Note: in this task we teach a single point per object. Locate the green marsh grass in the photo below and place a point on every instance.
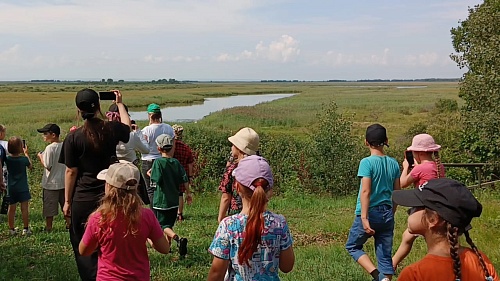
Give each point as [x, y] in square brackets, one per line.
[319, 222]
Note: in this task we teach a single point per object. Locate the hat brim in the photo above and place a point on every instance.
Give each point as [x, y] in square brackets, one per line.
[236, 142]
[407, 198]
[102, 175]
[42, 130]
[433, 148]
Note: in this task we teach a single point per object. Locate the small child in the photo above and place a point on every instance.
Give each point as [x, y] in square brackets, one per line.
[121, 226]
[256, 243]
[167, 174]
[427, 166]
[379, 175]
[442, 210]
[17, 186]
[53, 174]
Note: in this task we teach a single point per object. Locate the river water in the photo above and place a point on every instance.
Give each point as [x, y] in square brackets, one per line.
[196, 112]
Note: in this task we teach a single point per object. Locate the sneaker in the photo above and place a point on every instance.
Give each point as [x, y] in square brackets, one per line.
[183, 242]
[13, 232]
[27, 231]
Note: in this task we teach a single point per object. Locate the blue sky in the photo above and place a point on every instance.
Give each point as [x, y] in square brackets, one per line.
[228, 39]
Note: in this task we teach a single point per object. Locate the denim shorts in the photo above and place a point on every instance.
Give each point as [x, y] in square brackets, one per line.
[381, 220]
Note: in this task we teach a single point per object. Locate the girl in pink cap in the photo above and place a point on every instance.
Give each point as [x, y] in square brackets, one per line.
[256, 243]
[427, 166]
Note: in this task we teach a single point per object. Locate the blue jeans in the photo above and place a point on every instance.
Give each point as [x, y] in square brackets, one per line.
[381, 220]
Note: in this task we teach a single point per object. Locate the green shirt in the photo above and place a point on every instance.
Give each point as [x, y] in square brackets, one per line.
[168, 174]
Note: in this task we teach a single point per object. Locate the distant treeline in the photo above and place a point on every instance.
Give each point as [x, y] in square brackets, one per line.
[174, 81]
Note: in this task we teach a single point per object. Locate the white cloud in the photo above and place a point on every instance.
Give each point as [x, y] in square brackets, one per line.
[334, 58]
[11, 54]
[285, 49]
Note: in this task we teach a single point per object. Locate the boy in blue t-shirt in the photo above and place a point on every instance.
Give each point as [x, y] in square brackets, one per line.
[379, 175]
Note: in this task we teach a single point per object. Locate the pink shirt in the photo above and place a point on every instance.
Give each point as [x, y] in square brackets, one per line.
[426, 171]
[122, 257]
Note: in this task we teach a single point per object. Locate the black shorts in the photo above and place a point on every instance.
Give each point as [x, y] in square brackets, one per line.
[166, 218]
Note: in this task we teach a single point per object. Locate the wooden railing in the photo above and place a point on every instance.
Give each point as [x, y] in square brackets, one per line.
[479, 171]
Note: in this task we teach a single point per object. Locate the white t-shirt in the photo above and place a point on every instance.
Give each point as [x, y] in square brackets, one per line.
[150, 133]
[126, 151]
[53, 174]
[4, 144]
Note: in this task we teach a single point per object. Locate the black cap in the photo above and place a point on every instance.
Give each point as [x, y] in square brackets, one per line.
[449, 198]
[87, 100]
[114, 108]
[52, 128]
[376, 135]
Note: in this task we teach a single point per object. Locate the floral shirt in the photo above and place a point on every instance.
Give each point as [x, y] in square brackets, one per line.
[264, 264]
[227, 186]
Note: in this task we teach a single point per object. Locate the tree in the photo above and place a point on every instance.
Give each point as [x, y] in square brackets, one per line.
[476, 41]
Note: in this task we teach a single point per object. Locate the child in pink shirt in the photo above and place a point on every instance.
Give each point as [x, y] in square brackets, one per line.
[120, 227]
[427, 166]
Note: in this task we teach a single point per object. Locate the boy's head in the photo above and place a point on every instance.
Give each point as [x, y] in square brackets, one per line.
[164, 142]
[50, 132]
[15, 145]
[376, 135]
[178, 130]
[450, 199]
[123, 175]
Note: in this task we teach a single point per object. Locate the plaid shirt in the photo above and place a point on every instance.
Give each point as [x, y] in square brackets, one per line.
[184, 154]
[227, 186]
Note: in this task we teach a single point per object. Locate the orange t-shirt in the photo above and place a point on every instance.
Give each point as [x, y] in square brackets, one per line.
[433, 267]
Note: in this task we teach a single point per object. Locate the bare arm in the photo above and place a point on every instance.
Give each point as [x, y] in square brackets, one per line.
[406, 179]
[124, 118]
[225, 201]
[87, 250]
[69, 184]
[366, 188]
[161, 245]
[287, 260]
[218, 269]
[25, 150]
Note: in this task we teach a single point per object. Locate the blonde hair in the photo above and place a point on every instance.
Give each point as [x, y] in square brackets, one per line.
[120, 201]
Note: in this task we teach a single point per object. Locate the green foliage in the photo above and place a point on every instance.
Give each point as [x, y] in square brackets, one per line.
[334, 154]
[446, 105]
[476, 42]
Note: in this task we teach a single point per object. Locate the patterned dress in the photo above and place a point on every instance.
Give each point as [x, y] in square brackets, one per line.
[264, 264]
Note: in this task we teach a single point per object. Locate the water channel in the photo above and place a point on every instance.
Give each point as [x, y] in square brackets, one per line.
[196, 112]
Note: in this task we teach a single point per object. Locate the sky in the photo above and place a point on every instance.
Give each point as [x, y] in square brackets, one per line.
[230, 40]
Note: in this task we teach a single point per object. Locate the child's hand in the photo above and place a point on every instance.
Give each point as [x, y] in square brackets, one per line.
[67, 210]
[406, 165]
[118, 96]
[189, 198]
[25, 150]
[367, 228]
[149, 172]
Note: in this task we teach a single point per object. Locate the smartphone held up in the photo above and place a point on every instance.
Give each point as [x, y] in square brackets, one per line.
[107, 95]
[409, 158]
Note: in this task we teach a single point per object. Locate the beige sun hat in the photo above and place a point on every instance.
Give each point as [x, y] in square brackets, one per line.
[246, 140]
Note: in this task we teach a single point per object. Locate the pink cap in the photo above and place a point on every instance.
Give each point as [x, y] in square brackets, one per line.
[251, 168]
[424, 143]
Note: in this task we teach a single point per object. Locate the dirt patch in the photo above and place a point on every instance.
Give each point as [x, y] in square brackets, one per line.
[318, 239]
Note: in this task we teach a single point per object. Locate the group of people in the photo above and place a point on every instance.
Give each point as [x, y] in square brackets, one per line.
[441, 210]
[103, 195]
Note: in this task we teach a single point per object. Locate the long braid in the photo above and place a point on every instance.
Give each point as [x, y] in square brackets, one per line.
[476, 250]
[437, 160]
[453, 240]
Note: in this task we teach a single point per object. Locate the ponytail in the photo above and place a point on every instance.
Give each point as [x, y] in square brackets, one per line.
[481, 260]
[454, 245]
[255, 223]
[437, 160]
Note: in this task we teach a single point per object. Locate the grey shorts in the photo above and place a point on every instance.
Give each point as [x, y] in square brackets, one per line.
[52, 200]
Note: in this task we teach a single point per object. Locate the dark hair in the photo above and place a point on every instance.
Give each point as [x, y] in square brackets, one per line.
[166, 148]
[155, 116]
[15, 145]
[476, 250]
[255, 221]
